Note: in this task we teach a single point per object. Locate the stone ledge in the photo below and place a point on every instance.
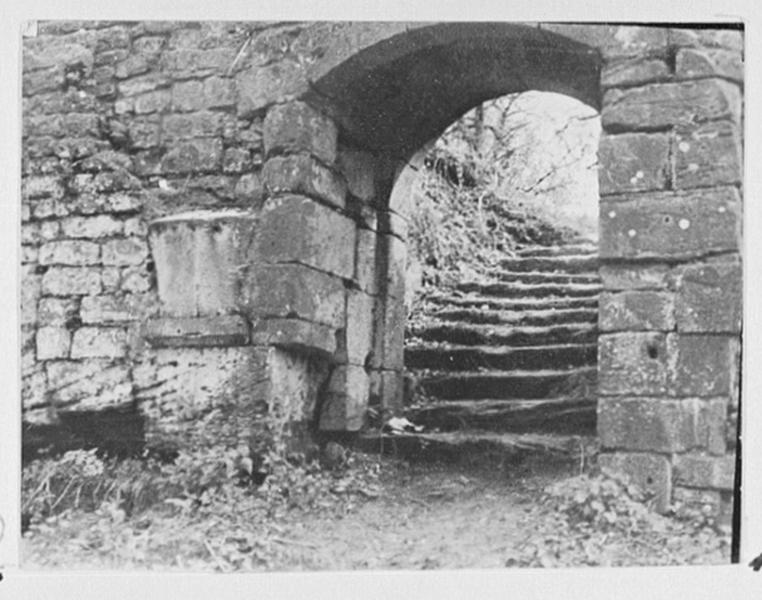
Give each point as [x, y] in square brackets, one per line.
[222, 330]
[295, 334]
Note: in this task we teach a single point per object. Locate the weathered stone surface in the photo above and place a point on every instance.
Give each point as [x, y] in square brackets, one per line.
[706, 62]
[633, 162]
[665, 105]
[358, 169]
[615, 40]
[395, 317]
[192, 156]
[260, 87]
[703, 365]
[707, 38]
[91, 227]
[31, 287]
[42, 186]
[124, 251]
[366, 261]
[296, 335]
[650, 472]
[52, 342]
[633, 71]
[394, 253]
[666, 225]
[250, 190]
[359, 329]
[219, 330]
[660, 425]
[151, 102]
[88, 384]
[179, 383]
[71, 281]
[187, 95]
[133, 280]
[99, 342]
[346, 400]
[199, 258]
[697, 471]
[144, 132]
[56, 311]
[296, 127]
[709, 298]
[295, 229]
[708, 155]
[69, 252]
[236, 160]
[111, 308]
[302, 174]
[635, 277]
[636, 311]
[632, 364]
[199, 124]
[295, 291]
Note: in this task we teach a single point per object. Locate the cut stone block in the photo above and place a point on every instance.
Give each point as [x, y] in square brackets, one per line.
[709, 298]
[295, 229]
[199, 259]
[708, 155]
[633, 364]
[346, 400]
[636, 311]
[633, 162]
[294, 334]
[297, 127]
[220, 330]
[677, 226]
[302, 174]
[698, 471]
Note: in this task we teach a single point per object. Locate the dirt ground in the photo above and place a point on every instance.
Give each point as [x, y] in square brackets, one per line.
[412, 516]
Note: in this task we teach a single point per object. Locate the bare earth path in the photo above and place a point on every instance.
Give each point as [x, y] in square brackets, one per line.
[412, 516]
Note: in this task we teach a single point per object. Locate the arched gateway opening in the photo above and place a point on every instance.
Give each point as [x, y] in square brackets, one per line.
[389, 102]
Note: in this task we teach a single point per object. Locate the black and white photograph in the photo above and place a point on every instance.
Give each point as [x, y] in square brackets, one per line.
[381, 295]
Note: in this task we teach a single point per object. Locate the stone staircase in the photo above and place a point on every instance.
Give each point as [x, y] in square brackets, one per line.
[515, 355]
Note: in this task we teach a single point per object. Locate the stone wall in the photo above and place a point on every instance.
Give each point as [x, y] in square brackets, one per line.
[304, 129]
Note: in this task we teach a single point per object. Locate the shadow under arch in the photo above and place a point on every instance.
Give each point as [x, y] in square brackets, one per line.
[398, 93]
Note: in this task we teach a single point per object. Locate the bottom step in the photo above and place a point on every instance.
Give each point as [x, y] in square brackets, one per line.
[482, 447]
[555, 415]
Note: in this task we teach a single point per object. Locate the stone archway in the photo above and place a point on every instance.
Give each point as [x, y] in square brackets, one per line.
[363, 115]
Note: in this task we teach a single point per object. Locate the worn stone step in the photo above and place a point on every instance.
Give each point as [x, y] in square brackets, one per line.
[504, 335]
[521, 290]
[527, 317]
[572, 263]
[499, 358]
[554, 415]
[485, 449]
[545, 277]
[578, 249]
[496, 303]
[509, 384]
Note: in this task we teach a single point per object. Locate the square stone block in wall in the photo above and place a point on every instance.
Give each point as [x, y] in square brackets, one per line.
[52, 342]
[71, 281]
[709, 298]
[302, 174]
[633, 162]
[636, 310]
[199, 260]
[666, 225]
[663, 105]
[97, 342]
[295, 291]
[650, 472]
[295, 229]
[632, 364]
[394, 255]
[297, 127]
[703, 365]
[699, 471]
[662, 425]
[707, 155]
